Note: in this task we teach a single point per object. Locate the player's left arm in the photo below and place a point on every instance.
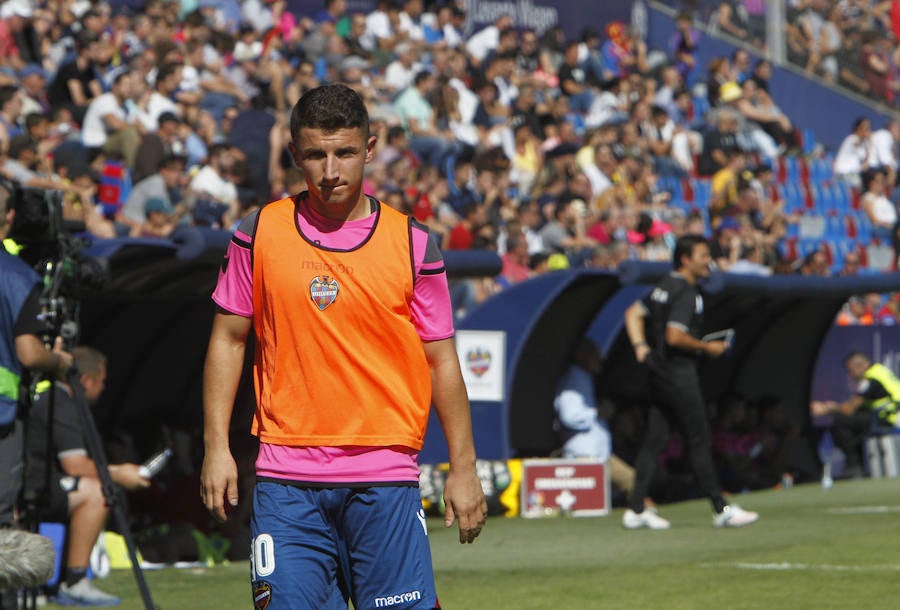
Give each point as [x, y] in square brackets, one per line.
[463, 494]
[432, 315]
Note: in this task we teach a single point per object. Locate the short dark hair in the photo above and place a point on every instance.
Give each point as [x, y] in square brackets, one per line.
[329, 108]
[685, 247]
[88, 360]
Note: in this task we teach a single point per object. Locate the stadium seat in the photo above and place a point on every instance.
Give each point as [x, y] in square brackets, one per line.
[834, 226]
[807, 141]
[812, 226]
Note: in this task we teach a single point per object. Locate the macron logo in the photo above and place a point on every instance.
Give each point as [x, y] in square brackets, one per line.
[393, 600]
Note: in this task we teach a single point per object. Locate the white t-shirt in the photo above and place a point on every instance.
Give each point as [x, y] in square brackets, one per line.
[483, 42]
[398, 77]
[882, 153]
[851, 154]
[157, 105]
[883, 210]
[414, 30]
[209, 181]
[378, 25]
[93, 129]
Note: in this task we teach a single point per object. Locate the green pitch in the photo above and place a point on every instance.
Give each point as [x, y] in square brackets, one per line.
[811, 549]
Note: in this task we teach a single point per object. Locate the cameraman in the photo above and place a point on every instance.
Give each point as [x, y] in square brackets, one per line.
[21, 349]
[75, 494]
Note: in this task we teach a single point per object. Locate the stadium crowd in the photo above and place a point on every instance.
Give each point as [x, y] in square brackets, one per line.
[849, 43]
[159, 118]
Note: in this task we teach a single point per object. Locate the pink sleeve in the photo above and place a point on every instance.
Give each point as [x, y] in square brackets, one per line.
[234, 289]
[431, 310]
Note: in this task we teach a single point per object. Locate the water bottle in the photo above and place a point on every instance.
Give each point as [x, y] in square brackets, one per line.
[826, 453]
[155, 464]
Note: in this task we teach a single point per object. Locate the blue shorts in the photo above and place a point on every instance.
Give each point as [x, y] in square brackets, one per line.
[313, 549]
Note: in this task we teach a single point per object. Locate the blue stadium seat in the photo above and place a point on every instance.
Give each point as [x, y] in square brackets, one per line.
[834, 227]
[792, 169]
[702, 191]
[809, 140]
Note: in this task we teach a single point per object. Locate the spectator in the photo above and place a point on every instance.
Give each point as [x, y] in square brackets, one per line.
[75, 83]
[33, 91]
[725, 188]
[815, 264]
[727, 19]
[156, 145]
[401, 72]
[482, 42]
[164, 185]
[751, 261]
[109, 126]
[617, 55]
[823, 40]
[881, 212]
[21, 44]
[853, 156]
[515, 260]
[162, 98]
[431, 144]
[718, 143]
[10, 109]
[75, 495]
[883, 152]
[683, 45]
[850, 266]
[213, 185]
[758, 107]
[573, 81]
[875, 63]
[565, 233]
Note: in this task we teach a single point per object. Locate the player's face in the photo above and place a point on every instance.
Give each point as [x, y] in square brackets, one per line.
[333, 164]
[700, 260]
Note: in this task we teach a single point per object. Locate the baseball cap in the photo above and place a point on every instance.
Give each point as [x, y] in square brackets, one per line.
[16, 8]
[32, 69]
[155, 204]
[729, 223]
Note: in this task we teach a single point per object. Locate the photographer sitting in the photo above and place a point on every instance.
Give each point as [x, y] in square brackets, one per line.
[75, 493]
[21, 350]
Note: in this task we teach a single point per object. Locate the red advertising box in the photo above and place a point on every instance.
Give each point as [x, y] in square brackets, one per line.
[579, 487]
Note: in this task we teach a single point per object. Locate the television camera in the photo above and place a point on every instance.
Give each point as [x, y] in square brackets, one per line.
[54, 247]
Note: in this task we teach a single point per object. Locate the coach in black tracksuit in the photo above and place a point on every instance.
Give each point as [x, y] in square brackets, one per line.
[665, 329]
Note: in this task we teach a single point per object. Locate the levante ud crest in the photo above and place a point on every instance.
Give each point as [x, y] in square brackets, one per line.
[323, 290]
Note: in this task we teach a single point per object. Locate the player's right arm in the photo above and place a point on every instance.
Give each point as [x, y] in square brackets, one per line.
[221, 375]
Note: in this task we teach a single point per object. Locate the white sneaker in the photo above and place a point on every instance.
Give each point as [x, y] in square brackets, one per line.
[649, 519]
[83, 593]
[734, 516]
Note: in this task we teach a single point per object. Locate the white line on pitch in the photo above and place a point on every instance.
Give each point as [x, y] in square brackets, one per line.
[863, 510]
[785, 566]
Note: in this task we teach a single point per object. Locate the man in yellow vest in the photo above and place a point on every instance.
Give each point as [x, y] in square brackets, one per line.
[876, 399]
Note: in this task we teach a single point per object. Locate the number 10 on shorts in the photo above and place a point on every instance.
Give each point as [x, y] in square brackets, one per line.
[262, 560]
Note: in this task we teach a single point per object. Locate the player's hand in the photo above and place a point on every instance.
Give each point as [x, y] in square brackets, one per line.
[219, 483]
[716, 348]
[128, 476]
[465, 501]
[641, 352]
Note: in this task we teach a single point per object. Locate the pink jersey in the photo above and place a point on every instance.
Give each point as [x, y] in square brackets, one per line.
[432, 316]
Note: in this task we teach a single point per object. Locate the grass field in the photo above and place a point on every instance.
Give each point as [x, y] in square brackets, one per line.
[811, 549]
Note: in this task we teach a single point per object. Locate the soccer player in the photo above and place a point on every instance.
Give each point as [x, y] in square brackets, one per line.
[349, 302]
[665, 330]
